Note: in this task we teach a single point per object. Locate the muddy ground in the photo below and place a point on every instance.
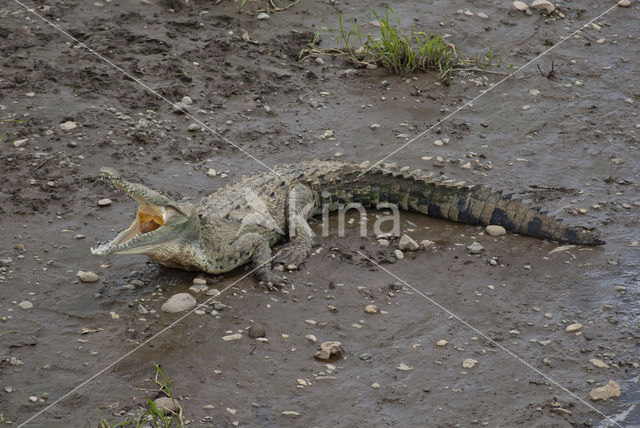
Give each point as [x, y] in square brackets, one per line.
[573, 150]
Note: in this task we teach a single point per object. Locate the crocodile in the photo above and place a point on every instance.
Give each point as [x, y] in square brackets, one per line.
[240, 223]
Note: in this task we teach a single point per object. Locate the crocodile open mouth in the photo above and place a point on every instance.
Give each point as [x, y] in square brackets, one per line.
[148, 219]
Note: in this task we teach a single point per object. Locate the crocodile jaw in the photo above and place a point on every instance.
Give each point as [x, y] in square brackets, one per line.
[160, 227]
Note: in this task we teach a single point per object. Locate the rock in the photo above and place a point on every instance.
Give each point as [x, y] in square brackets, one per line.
[374, 126]
[425, 243]
[404, 367]
[232, 337]
[469, 363]
[20, 143]
[213, 292]
[375, 385]
[482, 15]
[166, 405]
[384, 242]
[33, 399]
[88, 276]
[406, 243]
[263, 16]
[289, 412]
[328, 350]
[186, 100]
[365, 356]
[573, 327]
[495, 230]
[371, 309]
[398, 254]
[442, 342]
[534, 92]
[311, 338]
[25, 304]
[193, 127]
[562, 248]
[104, 202]
[610, 390]
[599, 363]
[198, 288]
[257, 330]
[543, 5]
[179, 302]
[212, 172]
[624, 3]
[180, 108]
[475, 248]
[68, 125]
[521, 6]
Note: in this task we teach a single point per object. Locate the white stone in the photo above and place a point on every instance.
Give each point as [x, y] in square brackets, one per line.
[25, 304]
[425, 243]
[573, 327]
[20, 143]
[482, 15]
[521, 6]
[87, 276]
[262, 16]
[469, 363]
[186, 100]
[328, 349]
[166, 405]
[599, 363]
[193, 127]
[179, 302]
[493, 230]
[404, 367]
[398, 254]
[475, 248]
[104, 202]
[231, 337]
[407, 243]
[371, 309]
[374, 126]
[442, 342]
[610, 390]
[68, 125]
[543, 5]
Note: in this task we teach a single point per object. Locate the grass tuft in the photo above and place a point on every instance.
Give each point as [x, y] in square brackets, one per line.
[154, 416]
[397, 52]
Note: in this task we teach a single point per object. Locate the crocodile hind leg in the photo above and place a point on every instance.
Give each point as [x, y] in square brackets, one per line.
[300, 204]
[254, 247]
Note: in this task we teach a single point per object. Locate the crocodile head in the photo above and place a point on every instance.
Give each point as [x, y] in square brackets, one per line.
[162, 226]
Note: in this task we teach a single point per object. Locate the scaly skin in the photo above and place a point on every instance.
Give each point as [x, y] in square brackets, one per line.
[240, 223]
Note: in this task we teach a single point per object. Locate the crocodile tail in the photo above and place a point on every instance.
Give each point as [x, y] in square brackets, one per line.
[455, 201]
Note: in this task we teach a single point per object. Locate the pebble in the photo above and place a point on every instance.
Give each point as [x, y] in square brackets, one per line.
[404, 367]
[257, 330]
[186, 100]
[231, 337]
[624, 3]
[407, 243]
[534, 92]
[104, 202]
[375, 385]
[20, 143]
[384, 242]
[30, 94]
[198, 288]
[68, 125]
[398, 254]
[475, 248]
[263, 16]
[290, 413]
[311, 338]
[213, 292]
[166, 405]
[482, 15]
[88, 276]
[180, 108]
[573, 327]
[374, 126]
[442, 342]
[33, 399]
[365, 356]
[179, 302]
[543, 5]
[521, 6]
[610, 390]
[599, 363]
[25, 304]
[371, 309]
[469, 363]
[495, 230]
[328, 350]
[193, 127]
[427, 244]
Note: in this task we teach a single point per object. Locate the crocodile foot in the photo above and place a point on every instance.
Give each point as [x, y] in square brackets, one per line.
[292, 255]
[271, 281]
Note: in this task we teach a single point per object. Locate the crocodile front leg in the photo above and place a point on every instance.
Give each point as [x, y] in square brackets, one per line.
[254, 247]
[300, 204]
